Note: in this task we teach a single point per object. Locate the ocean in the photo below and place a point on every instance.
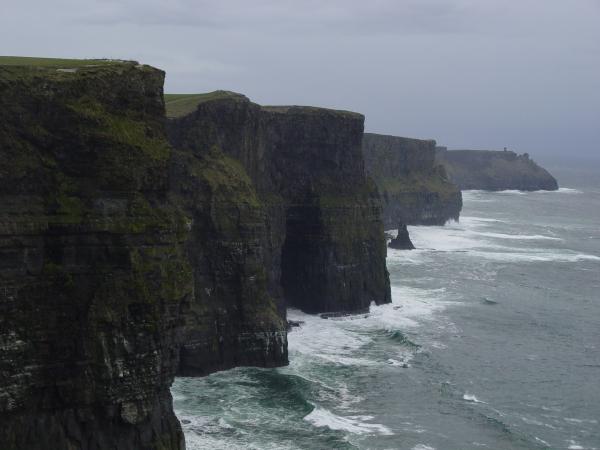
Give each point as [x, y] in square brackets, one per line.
[492, 342]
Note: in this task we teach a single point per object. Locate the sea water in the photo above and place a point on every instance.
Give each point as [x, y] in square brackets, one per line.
[492, 341]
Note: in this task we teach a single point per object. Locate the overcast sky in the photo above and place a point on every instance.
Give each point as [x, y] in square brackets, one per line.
[469, 73]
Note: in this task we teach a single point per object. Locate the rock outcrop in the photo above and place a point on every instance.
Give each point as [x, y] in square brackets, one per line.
[324, 234]
[495, 170]
[402, 240]
[93, 274]
[414, 188]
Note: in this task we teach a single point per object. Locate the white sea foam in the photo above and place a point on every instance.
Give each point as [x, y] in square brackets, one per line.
[567, 191]
[337, 340]
[471, 398]
[535, 256]
[321, 417]
[472, 237]
[526, 237]
[423, 447]
[541, 441]
[573, 420]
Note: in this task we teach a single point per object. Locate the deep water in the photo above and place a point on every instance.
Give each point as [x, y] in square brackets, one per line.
[492, 341]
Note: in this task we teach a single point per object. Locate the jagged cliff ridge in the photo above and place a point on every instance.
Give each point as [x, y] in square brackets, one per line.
[326, 248]
[414, 188]
[93, 275]
[494, 170]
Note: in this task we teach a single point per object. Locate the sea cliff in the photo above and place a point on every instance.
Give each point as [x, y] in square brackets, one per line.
[136, 247]
[93, 275]
[413, 186]
[326, 248]
[494, 170]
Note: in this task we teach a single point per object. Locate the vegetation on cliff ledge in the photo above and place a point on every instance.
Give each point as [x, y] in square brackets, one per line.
[179, 105]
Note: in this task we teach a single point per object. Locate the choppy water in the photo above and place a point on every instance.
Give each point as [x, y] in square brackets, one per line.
[492, 341]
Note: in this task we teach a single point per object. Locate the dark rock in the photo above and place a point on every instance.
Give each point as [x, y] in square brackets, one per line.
[294, 324]
[93, 294]
[234, 321]
[324, 242]
[414, 188]
[402, 241]
[495, 170]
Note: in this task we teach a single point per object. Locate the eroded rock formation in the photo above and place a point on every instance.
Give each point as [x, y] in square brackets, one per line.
[414, 188]
[402, 240]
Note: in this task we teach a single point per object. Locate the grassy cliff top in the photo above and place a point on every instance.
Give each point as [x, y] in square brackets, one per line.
[179, 105]
[295, 109]
[58, 63]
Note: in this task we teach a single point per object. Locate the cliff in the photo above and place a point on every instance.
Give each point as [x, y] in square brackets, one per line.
[495, 170]
[234, 320]
[414, 188]
[117, 254]
[93, 276]
[324, 234]
[135, 248]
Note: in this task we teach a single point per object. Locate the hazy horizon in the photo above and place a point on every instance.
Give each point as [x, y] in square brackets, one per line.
[467, 73]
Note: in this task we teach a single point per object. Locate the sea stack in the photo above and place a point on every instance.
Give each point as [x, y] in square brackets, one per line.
[402, 240]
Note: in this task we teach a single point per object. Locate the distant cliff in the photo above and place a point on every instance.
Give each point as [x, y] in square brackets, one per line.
[495, 170]
[326, 248]
[414, 188]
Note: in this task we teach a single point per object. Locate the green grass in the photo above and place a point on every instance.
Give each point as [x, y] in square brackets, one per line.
[58, 63]
[286, 109]
[179, 105]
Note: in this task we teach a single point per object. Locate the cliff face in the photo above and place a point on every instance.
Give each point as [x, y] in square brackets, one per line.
[325, 249]
[125, 260]
[118, 254]
[495, 170]
[93, 274]
[234, 320]
[414, 188]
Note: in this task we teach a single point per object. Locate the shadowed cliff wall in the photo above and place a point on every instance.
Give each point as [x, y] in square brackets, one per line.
[324, 231]
[414, 188]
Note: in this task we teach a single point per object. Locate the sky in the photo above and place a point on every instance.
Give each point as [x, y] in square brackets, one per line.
[484, 74]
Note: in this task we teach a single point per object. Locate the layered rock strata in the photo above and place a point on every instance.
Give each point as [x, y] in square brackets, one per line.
[495, 170]
[414, 188]
[116, 255]
[93, 274]
[324, 229]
